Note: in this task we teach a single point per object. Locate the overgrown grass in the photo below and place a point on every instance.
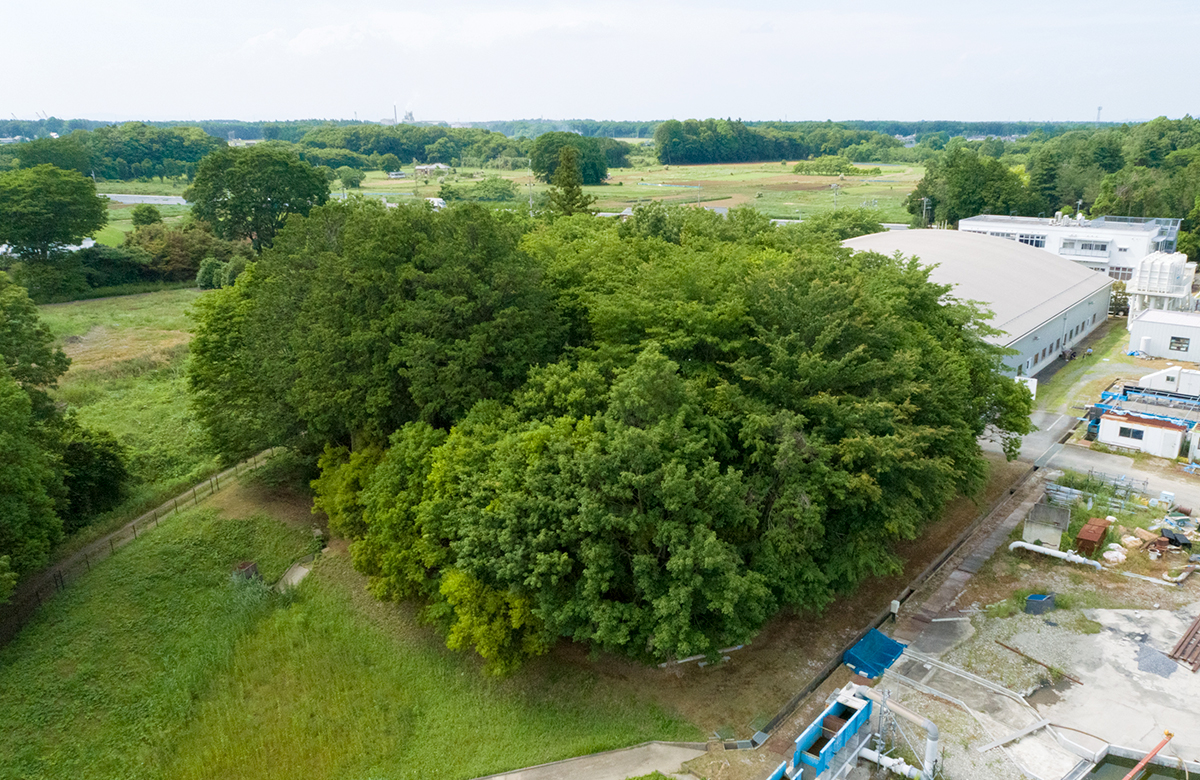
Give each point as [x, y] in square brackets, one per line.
[104, 681]
[127, 377]
[116, 290]
[156, 665]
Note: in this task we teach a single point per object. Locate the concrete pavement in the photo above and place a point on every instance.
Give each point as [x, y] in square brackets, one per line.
[664, 757]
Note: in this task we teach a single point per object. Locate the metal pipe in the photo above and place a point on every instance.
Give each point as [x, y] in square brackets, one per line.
[1133, 772]
[931, 729]
[896, 765]
[1071, 555]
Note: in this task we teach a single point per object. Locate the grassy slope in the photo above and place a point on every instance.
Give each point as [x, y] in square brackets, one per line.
[127, 377]
[120, 221]
[104, 680]
[155, 666]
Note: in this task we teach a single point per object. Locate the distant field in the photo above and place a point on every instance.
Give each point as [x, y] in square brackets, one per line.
[126, 377]
[157, 665]
[120, 221]
[769, 187]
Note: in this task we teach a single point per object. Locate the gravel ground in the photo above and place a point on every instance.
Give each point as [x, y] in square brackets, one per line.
[1050, 639]
[960, 731]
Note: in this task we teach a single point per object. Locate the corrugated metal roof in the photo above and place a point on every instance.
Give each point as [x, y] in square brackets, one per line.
[1024, 287]
[1146, 422]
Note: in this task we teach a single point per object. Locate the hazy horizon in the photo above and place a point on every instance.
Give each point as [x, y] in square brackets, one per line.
[465, 60]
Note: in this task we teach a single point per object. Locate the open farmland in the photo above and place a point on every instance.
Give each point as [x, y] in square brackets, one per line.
[769, 187]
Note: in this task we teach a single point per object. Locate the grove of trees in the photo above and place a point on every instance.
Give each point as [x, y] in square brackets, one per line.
[646, 436]
[1144, 170]
[55, 474]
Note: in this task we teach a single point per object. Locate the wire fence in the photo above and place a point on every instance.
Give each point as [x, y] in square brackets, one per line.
[41, 587]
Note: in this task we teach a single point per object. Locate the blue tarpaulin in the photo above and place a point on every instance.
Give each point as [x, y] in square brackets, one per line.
[873, 654]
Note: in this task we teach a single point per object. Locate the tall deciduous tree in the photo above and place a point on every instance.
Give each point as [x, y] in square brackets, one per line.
[248, 192]
[546, 154]
[44, 209]
[566, 197]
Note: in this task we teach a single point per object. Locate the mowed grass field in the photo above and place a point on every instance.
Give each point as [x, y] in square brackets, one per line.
[120, 222]
[771, 188]
[158, 664]
[127, 377]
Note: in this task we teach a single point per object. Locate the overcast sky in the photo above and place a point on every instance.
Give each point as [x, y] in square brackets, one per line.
[467, 60]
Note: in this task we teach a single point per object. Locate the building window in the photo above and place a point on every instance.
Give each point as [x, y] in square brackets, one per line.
[1121, 274]
[1170, 378]
[1122, 249]
[1031, 240]
[1009, 236]
[1093, 319]
[1179, 344]
[1130, 433]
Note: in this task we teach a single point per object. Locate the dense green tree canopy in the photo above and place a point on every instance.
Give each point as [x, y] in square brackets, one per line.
[249, 192]
[545, 157]
[742, 417]
[44, 208]
[566, 197]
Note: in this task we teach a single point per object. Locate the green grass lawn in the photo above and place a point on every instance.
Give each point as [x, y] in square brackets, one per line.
[156, 665]
[120, 222]
[1083, 378]
[127, 377]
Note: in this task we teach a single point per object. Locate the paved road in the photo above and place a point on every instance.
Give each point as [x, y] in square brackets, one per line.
[157, 200]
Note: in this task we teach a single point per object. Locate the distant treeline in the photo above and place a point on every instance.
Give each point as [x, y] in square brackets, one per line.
[218, 128]
[592, 128]
[965, 129]
[130, 151]
[726, 140]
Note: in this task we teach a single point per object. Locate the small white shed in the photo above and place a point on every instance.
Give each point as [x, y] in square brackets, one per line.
[1148, 434]
[1173, 379]
[1174, 335]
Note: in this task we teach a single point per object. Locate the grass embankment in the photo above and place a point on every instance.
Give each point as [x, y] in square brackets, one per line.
[156, 665]
[126, 377]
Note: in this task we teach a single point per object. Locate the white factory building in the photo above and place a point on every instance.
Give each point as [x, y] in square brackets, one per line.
[1042, 304]
[1111, 245]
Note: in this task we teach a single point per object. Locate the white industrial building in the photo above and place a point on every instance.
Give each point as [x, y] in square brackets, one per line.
[1173, 379]
[1111, 245]
[1162, 281]
[1145, 434]
[1043, 304]
[1166, 334]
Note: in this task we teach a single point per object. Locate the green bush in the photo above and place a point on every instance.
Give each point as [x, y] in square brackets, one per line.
[211, 274]
[233, 270]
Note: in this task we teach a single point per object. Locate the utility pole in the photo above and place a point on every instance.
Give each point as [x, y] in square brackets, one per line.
[1098, 110]
[925, 211]
[835, 188]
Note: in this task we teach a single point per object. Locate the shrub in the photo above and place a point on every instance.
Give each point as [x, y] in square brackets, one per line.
[233, 269]
[211, 274]
[144, 214]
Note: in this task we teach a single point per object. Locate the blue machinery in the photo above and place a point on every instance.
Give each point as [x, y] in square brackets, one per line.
[833, 743]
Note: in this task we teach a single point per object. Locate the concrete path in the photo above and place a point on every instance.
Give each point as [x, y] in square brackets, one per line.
[992, 533]
[157, 200]
[612, 765]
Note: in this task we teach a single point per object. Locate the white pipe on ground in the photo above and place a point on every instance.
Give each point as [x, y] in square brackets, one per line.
[931, 729]
[896, 765]
[1066, 556]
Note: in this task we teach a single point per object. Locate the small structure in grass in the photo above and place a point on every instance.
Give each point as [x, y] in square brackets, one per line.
[247, 570]
[1046, 524]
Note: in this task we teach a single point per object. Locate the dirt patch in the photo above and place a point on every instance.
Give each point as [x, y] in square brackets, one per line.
[248, 497]
[797, 186]
[102, 346]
